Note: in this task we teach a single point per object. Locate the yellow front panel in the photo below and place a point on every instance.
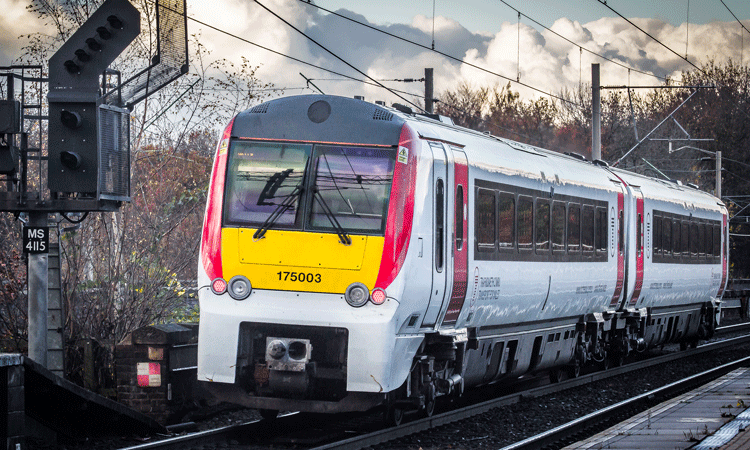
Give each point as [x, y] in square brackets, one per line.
[300, 261]
[301, 249]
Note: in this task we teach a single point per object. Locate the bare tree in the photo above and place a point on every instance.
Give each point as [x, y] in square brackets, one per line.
[134, 267]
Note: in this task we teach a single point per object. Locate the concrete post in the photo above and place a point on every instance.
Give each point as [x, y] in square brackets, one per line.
[428, 91]
[37, 267]
[596, 114]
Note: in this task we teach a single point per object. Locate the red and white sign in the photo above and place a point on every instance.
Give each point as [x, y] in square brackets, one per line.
[149, 374]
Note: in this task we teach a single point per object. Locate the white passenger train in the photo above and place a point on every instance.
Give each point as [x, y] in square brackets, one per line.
[355, 255]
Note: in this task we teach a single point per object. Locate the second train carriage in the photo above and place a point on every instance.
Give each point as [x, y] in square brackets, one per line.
[355, 255]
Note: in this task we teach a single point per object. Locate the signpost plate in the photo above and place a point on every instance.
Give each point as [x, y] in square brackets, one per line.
[35, 240]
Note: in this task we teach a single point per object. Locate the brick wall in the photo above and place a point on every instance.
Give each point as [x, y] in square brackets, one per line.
[144, 379]
[12, 404]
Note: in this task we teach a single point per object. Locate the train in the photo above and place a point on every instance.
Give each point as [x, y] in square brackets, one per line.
[355, 255]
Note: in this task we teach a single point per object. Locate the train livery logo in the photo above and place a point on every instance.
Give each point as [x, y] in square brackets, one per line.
[473, 303]
[223, 146]
[648, 235]
[403, 155]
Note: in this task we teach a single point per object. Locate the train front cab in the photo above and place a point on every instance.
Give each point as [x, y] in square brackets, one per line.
[302, 247]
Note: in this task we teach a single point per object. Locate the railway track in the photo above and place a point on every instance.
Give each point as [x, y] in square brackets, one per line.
[306, 431]
[592, 423]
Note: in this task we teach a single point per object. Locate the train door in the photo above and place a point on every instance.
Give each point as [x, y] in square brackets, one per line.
[617, 240]
[440, 260]
[724, 255]
[639, 244]
[459, 246]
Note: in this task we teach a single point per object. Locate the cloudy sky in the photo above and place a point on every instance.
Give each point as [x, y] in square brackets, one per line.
[485, 33]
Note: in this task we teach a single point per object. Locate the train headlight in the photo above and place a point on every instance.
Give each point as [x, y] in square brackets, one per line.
[378, 296]
[219, 286]
[239, 287]
[276, 349]
[357, 294]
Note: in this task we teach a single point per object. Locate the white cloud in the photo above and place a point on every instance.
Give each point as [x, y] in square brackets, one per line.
[14, 22]
[546, 61]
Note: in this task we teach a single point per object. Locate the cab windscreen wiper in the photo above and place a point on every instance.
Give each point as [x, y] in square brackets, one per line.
[268, 192]
[343, 236]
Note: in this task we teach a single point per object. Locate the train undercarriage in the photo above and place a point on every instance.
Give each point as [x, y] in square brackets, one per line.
[449, 362]
[276, 369]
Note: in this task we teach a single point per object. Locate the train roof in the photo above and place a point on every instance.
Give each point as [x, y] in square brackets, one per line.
[322, 118]
[327, 118]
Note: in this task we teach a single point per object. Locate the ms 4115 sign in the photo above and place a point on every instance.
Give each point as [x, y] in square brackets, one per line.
[36, 240]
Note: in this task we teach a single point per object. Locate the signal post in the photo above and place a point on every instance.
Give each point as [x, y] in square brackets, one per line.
[88, 157]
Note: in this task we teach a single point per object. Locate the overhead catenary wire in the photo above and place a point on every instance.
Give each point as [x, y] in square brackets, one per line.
[604, 2]
[733, 15]
[336, 56]
[368, 83]
[535, 89]
[742, 37]
[687, 29]
[582, 48]
[247, 41]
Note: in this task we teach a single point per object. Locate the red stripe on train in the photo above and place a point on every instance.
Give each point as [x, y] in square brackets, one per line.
[400, 210]
[211, 239]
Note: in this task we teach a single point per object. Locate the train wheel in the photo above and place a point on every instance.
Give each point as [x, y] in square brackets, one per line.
[618, 359]
[393, 416]
[269, 414]
[429, 408]
[694, 343]
[455, 396]
[556, 375]
[604, 364]
[574, 371]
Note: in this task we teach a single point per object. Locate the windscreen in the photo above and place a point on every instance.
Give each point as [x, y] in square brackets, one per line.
[352, 187]
[265, 179]
[327, 188]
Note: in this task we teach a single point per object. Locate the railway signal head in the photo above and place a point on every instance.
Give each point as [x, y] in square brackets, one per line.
[10, 123]
[75, 125]
[75, 68]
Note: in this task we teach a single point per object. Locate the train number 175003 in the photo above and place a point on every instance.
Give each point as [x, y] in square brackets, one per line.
[301, 277]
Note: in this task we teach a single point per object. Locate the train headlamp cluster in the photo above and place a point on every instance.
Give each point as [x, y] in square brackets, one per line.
[239, 287]
[357, 295]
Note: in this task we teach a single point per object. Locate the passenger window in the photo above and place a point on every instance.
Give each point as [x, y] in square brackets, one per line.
[676, 236]
[587, 229]
[717, 240]
[485, 220]
[601, 231]
[694, 241]
[558, 227]
[506, 214]
[621, 233]
[525, 223]
[706, 233]
[542, 226]
[639, 234]
[439, 227]
[667, 232]
[574, 228]
[685, 244]
[459, 217]
[657, 235]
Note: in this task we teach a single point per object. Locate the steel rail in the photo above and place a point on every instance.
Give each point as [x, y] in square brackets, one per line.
[603, 416]
[416, 426]
[210, 436]
[389, 434]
